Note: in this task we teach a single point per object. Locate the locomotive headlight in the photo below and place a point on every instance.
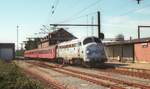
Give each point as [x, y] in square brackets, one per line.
[88, 51]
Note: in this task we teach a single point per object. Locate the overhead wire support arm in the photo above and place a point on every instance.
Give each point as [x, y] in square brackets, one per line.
[73, 24]
[141, 26]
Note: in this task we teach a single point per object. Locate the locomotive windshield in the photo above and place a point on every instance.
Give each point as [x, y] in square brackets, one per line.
[91, 39]
[97, 40]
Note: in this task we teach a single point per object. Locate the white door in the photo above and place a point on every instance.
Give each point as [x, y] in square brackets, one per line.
[6, 53]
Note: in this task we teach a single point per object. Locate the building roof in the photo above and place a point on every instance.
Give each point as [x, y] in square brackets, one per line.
[57, 32]
[126, 42]
[62, 30]
[7, 45]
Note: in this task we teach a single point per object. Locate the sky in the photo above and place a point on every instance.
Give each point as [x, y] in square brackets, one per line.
[117, 17]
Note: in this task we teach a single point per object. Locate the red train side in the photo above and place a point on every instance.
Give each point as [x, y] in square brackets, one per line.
[46, 53]
[31, 53]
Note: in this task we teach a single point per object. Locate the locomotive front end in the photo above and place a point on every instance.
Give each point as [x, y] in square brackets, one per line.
[94, 51]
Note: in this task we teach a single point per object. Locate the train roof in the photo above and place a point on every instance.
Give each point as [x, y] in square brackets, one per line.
[69, 42]
[38, 49]
[74, 41]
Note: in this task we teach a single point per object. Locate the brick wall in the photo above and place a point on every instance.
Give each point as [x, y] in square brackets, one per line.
[142, 52]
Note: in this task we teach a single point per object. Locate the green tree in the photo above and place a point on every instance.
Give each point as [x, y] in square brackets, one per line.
[32, 44]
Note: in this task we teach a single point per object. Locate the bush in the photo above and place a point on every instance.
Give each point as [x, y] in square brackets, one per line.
[12, 78]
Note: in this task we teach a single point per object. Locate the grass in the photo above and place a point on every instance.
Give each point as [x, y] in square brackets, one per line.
[12, 78]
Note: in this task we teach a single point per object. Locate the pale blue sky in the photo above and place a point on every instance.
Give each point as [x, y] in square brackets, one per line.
[117, 16]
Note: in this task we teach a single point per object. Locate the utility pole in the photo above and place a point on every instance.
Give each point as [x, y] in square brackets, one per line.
[99, 23]
[17, 37]
[92, 26]
[21, 46]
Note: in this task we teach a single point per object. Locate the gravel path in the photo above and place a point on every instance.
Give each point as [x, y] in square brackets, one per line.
[77, 83]
[71, 81]
[131, 65]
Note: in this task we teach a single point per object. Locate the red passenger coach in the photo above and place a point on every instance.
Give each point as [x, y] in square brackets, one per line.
[45, 53]
[31, 53]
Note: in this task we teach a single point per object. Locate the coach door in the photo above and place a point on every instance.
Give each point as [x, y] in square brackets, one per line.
[79, 50]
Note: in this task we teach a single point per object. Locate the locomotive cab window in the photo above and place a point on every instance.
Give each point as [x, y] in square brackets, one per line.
[97, 40]
[87, 40]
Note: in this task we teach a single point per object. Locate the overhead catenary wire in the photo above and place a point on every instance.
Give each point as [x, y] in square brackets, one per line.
[79, 17]
[75, 4]
[87, 23]
[73, 17]
[82, 10]
[89, 6]
[54, 6]
[131, 11]
[134, 10]
[44, 30]
[50, 8]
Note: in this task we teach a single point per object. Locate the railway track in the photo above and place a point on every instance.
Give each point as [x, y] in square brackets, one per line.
[94, 78]
[140, 73]
[35, 73]
[81, 76]
[111, 79]
[133, 72]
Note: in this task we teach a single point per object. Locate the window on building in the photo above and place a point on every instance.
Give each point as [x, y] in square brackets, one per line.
[144, 45]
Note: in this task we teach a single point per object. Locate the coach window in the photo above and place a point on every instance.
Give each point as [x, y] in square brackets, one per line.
[70, 45]
[79, 43]
[73, 45]
[88, 40]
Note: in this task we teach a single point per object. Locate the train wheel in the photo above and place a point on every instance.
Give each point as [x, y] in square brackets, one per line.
[60, 60]
[79, 61]
[85, 64]
[71, 62]
[92, 64]
[88, 64]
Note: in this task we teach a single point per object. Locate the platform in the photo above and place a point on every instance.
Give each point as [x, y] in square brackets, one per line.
[131, 65]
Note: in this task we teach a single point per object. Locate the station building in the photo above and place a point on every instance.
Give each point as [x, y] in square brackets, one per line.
[7, 51]
[55, 37]
[137, 50]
